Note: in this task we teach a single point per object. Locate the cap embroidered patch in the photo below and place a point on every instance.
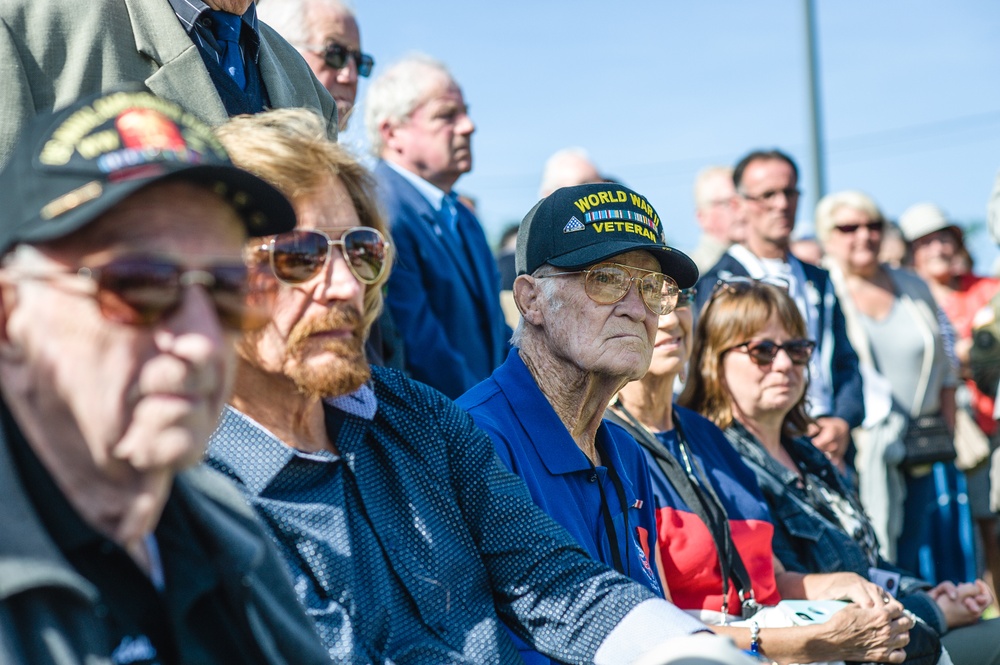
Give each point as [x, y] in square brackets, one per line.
[572, 225]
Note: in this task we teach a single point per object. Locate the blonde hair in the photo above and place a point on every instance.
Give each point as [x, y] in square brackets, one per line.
[289, 149]
[852, 199]
[732, 316]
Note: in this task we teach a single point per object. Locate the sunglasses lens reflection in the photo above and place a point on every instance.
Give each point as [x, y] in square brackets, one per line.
[298, 256]
[364, 250]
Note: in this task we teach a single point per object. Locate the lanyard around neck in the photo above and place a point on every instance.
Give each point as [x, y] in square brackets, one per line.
[697, 492]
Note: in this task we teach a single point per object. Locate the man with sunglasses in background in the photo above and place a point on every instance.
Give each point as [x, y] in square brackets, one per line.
[594, 276]
[407, 540]
[444, 293]
[767, 195]
[326, 34]
[122, 289]
[214, 58]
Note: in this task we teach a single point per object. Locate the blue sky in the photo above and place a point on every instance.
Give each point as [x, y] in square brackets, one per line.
[655, 90]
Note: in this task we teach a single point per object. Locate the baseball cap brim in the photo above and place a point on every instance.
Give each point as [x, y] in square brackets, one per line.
[261, 207]
[673, 263]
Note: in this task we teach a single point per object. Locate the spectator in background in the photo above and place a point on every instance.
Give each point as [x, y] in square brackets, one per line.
[805, 246]
[896, 328]
[937, 247]
[718, 215]
[895, 253]
[326, 33]
[124, 290]
[508, 272]
[215, 59]
[566, 168]
[444, 292]
[768, 197]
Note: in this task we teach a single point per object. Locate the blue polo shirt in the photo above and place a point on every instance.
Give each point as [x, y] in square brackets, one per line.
[533, 442]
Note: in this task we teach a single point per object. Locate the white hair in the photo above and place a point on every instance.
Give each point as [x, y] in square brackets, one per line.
[566, 168]
[291, 17]
[397, 91]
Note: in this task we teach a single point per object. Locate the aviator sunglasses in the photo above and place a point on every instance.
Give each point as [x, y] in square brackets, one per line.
[765, 351]
[144, 292]
[607, 283]
[298, 256]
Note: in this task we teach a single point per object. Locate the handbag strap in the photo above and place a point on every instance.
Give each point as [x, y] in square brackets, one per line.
[697, 492]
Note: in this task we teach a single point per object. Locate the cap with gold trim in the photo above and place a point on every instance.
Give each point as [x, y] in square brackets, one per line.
[71, 166]
[575, 227]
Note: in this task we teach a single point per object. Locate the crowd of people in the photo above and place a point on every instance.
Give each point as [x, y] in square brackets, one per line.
[263, 404]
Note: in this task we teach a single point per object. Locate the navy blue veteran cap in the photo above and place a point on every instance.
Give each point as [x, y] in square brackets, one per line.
[71, 166]
[575, 227]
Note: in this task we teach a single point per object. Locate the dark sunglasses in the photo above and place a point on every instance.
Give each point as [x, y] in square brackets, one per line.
[336, 56]
[685, 297]
[765, 351]
[298, 256]
[873, 227]
[144, 292]
[608, 283]
[738, 285]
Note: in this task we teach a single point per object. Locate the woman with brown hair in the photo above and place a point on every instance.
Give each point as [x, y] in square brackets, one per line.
[749, 376]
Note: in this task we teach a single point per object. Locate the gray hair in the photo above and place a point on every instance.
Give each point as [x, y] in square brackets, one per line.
[397, 91]
[548, 287]
[701, 197]
[291, 17]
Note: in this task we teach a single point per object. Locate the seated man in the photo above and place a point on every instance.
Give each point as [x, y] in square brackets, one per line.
[584, 333]
[122, 289]
[407, 539]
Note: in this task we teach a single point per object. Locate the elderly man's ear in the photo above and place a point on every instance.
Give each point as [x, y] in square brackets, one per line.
[527, 298]
[8, 299]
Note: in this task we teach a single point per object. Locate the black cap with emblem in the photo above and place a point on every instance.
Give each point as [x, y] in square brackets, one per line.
[575, 227]
[71, 166]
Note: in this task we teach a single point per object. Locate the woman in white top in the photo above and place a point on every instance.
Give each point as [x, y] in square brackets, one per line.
[909, 376]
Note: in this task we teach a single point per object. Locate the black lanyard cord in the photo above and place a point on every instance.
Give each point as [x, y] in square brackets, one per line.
[693, 486]
[609, 523]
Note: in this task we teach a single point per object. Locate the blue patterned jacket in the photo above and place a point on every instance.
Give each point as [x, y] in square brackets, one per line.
[461, 533]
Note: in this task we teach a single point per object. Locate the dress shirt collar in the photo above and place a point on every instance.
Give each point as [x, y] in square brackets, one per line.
[189, 11]
[258, 457]
[433, 194]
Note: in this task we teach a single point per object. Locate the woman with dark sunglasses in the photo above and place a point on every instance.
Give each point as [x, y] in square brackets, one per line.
[899, 334]
[714, 527]
[819, 525]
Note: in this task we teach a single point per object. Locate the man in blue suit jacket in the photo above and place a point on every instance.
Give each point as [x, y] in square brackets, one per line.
[444, 289]
[767, 192]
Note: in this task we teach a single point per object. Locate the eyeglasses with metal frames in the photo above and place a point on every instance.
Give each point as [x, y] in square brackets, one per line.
[608, 283]
[771, 195]
[300, 255]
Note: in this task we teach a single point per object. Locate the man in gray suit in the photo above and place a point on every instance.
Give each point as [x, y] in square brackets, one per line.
[54, 52]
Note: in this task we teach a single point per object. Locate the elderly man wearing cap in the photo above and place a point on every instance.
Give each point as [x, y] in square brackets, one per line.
[408, 540]
[122, 290]
[594, 275]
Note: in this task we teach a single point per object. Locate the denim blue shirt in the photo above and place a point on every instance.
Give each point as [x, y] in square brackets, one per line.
[805, 541]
